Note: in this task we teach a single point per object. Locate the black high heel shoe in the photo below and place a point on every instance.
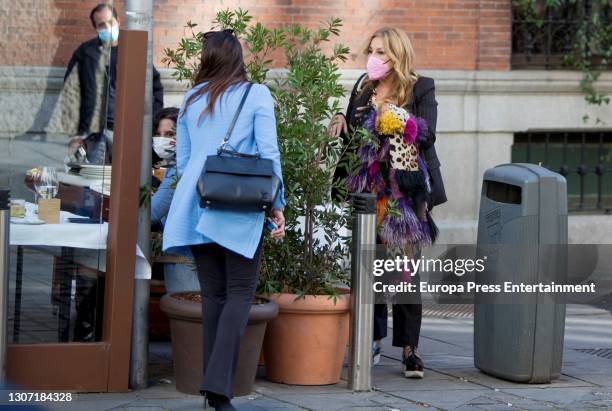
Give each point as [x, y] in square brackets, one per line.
[218, 402]
[207, 400]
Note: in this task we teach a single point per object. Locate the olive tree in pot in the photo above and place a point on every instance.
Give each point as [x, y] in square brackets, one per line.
[306, 274]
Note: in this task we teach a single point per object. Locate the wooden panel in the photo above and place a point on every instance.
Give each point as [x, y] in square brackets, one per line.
[77, 367]
[123, 213]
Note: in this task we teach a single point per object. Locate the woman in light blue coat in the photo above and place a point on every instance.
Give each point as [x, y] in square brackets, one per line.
[226, 245]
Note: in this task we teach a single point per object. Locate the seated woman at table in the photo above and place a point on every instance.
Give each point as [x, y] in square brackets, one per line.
[164, 157]
[177, 277]
[164, 139]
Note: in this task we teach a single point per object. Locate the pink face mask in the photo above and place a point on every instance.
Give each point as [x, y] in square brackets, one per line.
[376, 68]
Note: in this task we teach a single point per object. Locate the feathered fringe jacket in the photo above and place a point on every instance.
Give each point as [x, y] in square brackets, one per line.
[392, 168]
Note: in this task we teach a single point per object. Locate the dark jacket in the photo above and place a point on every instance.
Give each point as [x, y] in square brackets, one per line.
[91, 65]
[424, 105]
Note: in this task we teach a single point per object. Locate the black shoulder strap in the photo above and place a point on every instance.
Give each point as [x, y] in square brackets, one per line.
[238, 110]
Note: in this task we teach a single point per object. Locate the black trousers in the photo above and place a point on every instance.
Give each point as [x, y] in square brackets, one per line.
[228, 282]
[85, 302]
[406, 321]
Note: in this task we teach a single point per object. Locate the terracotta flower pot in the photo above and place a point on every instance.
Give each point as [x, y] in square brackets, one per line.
[185, 314]
[305, 344]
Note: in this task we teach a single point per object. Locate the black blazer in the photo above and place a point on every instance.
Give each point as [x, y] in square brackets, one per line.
[87, 56]
[423, 104]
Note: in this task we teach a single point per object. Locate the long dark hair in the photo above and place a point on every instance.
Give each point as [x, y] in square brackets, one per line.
[221, 66]
[168, 113]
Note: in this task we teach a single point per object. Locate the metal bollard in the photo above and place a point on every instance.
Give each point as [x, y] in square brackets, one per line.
[362, 294]
[5, 213]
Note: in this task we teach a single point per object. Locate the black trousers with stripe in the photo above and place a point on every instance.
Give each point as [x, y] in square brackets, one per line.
[228, 283]
[406, 322]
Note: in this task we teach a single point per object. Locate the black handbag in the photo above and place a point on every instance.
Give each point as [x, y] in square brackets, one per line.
[237, 181]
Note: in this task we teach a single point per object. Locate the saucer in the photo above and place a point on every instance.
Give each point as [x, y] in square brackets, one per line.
[27, 221]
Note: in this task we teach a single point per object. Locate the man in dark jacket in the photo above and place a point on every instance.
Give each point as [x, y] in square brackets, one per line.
[94, 68]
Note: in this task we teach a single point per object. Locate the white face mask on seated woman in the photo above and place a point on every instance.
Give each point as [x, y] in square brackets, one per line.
[165, 147]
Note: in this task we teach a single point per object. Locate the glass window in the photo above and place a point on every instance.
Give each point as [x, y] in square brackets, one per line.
[55, 156]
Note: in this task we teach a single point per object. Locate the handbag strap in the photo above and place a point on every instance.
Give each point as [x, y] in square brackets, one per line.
[235, 119]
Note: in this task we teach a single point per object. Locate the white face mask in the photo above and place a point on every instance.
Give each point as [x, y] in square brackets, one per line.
[165, 147]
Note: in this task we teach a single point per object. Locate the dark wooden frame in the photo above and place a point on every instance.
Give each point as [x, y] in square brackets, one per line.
[103, 366]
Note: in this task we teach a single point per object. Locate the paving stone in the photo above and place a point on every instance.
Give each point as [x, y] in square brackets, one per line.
[262, 404]
[444, 399]
[467, 408]
[576, 310]
[90, 405]
[460, 333]
[496, 399]
[397, 401]
[476, 376]
[164, 391]
[441, 361]
[163, 405]
[497, 407]
[265, 387]
[102, 396]
[595, 378]
[575, 363]
[606, 405]
[329, 402]
[556, 396]
[390, 379]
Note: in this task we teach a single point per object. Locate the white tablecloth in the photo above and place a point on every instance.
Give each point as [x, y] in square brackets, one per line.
[90, 237]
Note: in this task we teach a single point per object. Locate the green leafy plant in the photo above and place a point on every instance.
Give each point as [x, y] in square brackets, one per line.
[156, 244]
[145, 196]
[591, 42]
[258, 41]
[312, 258]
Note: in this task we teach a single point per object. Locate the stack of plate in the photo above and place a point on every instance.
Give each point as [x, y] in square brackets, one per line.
[101, 186]
[96, 172]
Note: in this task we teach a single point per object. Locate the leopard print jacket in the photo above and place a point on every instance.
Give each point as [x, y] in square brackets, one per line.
[403, 155]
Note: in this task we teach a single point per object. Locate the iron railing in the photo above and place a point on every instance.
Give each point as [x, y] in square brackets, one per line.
[584, 158]
[544, 42]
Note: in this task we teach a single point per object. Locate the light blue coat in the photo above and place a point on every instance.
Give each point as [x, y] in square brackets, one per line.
[162, 198]
[188, 224]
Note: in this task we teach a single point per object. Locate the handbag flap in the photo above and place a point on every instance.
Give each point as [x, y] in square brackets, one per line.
[239, 165]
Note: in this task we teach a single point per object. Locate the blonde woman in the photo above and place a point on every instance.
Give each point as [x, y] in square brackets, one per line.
[400, 166]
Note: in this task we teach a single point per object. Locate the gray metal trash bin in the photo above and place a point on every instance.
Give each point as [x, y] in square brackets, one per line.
[523, 210]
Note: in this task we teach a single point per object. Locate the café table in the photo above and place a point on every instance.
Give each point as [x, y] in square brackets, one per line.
[66, 236]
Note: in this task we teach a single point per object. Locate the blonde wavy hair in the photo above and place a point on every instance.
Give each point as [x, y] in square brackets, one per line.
[398, 49]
